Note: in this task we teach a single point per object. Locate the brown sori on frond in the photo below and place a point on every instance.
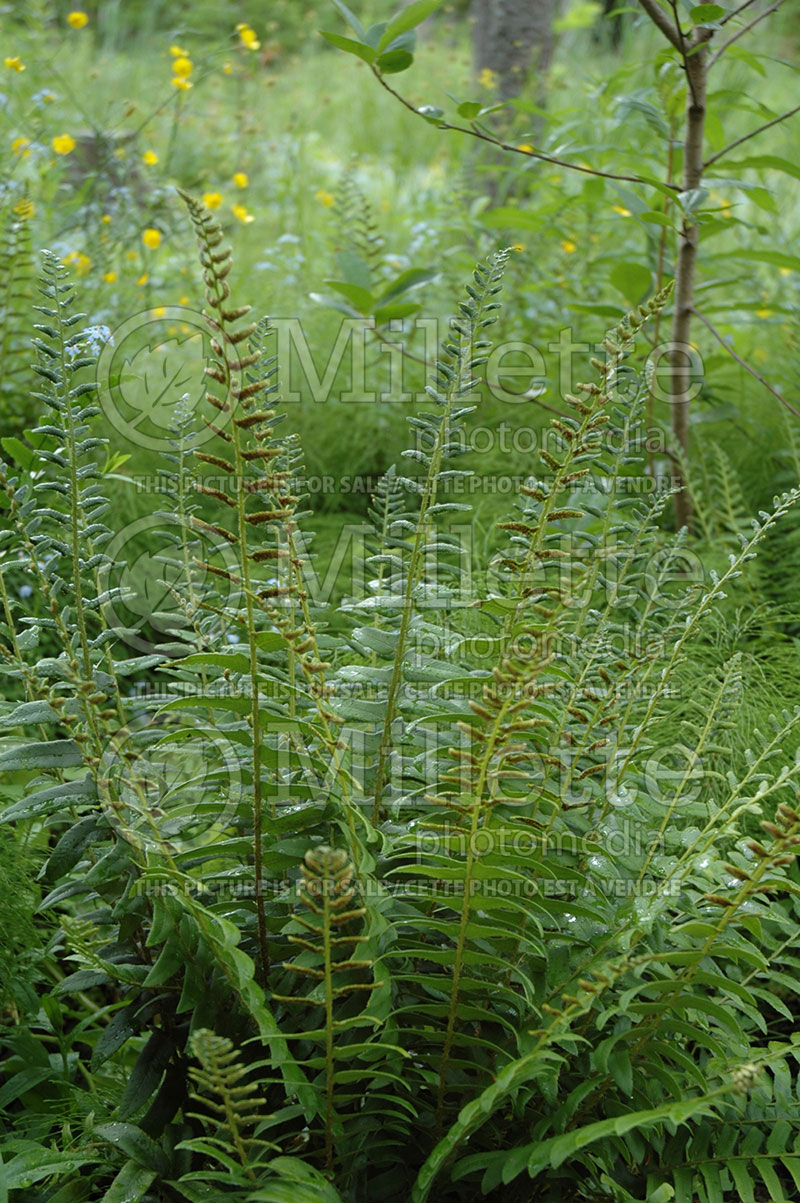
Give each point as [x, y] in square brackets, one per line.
[260, 474]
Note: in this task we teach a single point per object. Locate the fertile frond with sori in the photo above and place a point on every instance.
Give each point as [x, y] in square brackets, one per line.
[196, 621]
[16, 280]
[232, 1106]
[64, 538]
[577, 443]
[358, 241]
[74, 518]
[326, 962]
[243, 424]
[258, 534]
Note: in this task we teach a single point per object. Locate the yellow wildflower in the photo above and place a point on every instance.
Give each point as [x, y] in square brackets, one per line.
[526, 146]
[15, 63]
[178, 52]
[131, 255]
[150, 157]
[20, 147]
[183, 300]
[212, 200]
[519, 247]
[106, 219]
[623, 212]
[109, 277]
[77, 20]
[763, 313]
[241, 212]
[159, 311]
[568, 247]
[247, 36]
[183, 85]
[487, 78]
[81, 261]
[182, 67]
[240, 179]
[152, 238]
[143, 279]
[120, 153]
[785, 271]
[227, 68]
[324, 197]
[63, 144]
[24, 209]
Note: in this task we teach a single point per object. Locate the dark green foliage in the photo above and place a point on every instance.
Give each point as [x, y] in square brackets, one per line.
[386, 915]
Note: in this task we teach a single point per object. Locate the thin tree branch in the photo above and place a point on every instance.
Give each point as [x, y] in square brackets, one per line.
[381, 337]
[752, 134]
[660, 18]
[756, 375]
[724, 20]
[474, 132]
[740, 32]
[682, 47]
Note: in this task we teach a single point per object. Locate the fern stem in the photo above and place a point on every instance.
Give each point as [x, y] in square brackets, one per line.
[217, 292]
[329, 1065]
[75, 533]
[458, 960]
[454, 380]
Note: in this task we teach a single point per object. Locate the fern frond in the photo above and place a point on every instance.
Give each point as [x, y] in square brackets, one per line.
[221, 1086]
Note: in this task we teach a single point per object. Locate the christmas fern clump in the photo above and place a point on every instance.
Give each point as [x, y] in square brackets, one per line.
[483, 882]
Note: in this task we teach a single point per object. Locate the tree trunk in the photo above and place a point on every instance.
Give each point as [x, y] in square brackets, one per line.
[681, 381]
[512, 38]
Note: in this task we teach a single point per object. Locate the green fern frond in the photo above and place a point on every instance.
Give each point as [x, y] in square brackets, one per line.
[235, 1103]
[326, 961]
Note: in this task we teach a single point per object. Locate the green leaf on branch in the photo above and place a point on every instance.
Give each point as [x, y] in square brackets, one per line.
[351, 19]
[469, 109]
[405, 282]
[707, 14]
[361, 298]
[349, 45]
[53, 754]
[394, 61]
[632, 280]
[411, 16]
